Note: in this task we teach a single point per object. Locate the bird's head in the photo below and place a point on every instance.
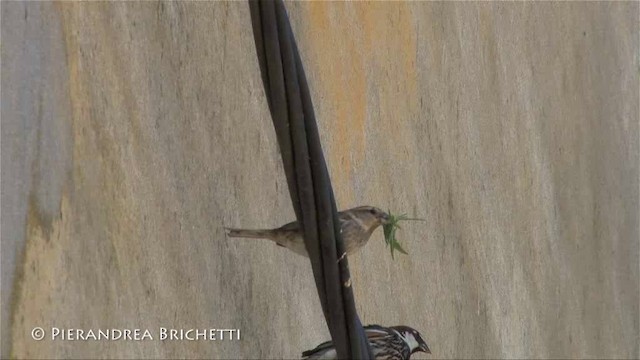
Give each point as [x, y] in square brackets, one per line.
[372, 215]
[413, 339]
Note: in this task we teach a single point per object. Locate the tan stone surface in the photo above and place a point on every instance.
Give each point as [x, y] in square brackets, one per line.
[133, 132]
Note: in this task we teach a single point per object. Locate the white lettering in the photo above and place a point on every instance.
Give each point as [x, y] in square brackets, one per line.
[55, 332]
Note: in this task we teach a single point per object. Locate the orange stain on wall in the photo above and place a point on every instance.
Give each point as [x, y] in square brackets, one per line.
[355, 47]
[342, 84]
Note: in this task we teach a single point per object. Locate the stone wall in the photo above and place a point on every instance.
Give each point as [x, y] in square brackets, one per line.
[132, 133]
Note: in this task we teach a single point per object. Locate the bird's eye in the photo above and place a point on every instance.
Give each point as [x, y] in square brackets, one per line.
[372, 211]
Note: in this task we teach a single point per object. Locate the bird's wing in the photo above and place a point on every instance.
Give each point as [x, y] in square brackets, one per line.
[372, 331]
[318, 349]
[376, 332]
[385, 343]
[292, 226]
[342, 217]
[391, 352]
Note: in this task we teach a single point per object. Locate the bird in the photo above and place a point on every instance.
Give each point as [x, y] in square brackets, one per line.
[356, 226]
[387, 343]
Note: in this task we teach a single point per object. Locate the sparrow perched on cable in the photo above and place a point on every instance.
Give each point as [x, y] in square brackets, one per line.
[387, 343]
[356, 226]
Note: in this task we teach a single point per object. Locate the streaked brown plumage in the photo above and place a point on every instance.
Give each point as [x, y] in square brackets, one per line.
[356, 224]
[387, 343]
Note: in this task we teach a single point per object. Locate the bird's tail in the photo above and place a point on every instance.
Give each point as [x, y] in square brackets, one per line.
[254, 234]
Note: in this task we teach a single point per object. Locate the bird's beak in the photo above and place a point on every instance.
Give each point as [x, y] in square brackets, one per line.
[385, 219]
[425, 348]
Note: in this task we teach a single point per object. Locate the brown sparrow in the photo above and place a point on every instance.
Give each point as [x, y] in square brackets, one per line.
[387, 343]
[356, 226]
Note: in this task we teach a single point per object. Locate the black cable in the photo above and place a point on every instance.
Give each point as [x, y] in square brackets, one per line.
[310, 188]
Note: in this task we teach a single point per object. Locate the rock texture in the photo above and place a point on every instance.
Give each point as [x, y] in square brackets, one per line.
[132, 133]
